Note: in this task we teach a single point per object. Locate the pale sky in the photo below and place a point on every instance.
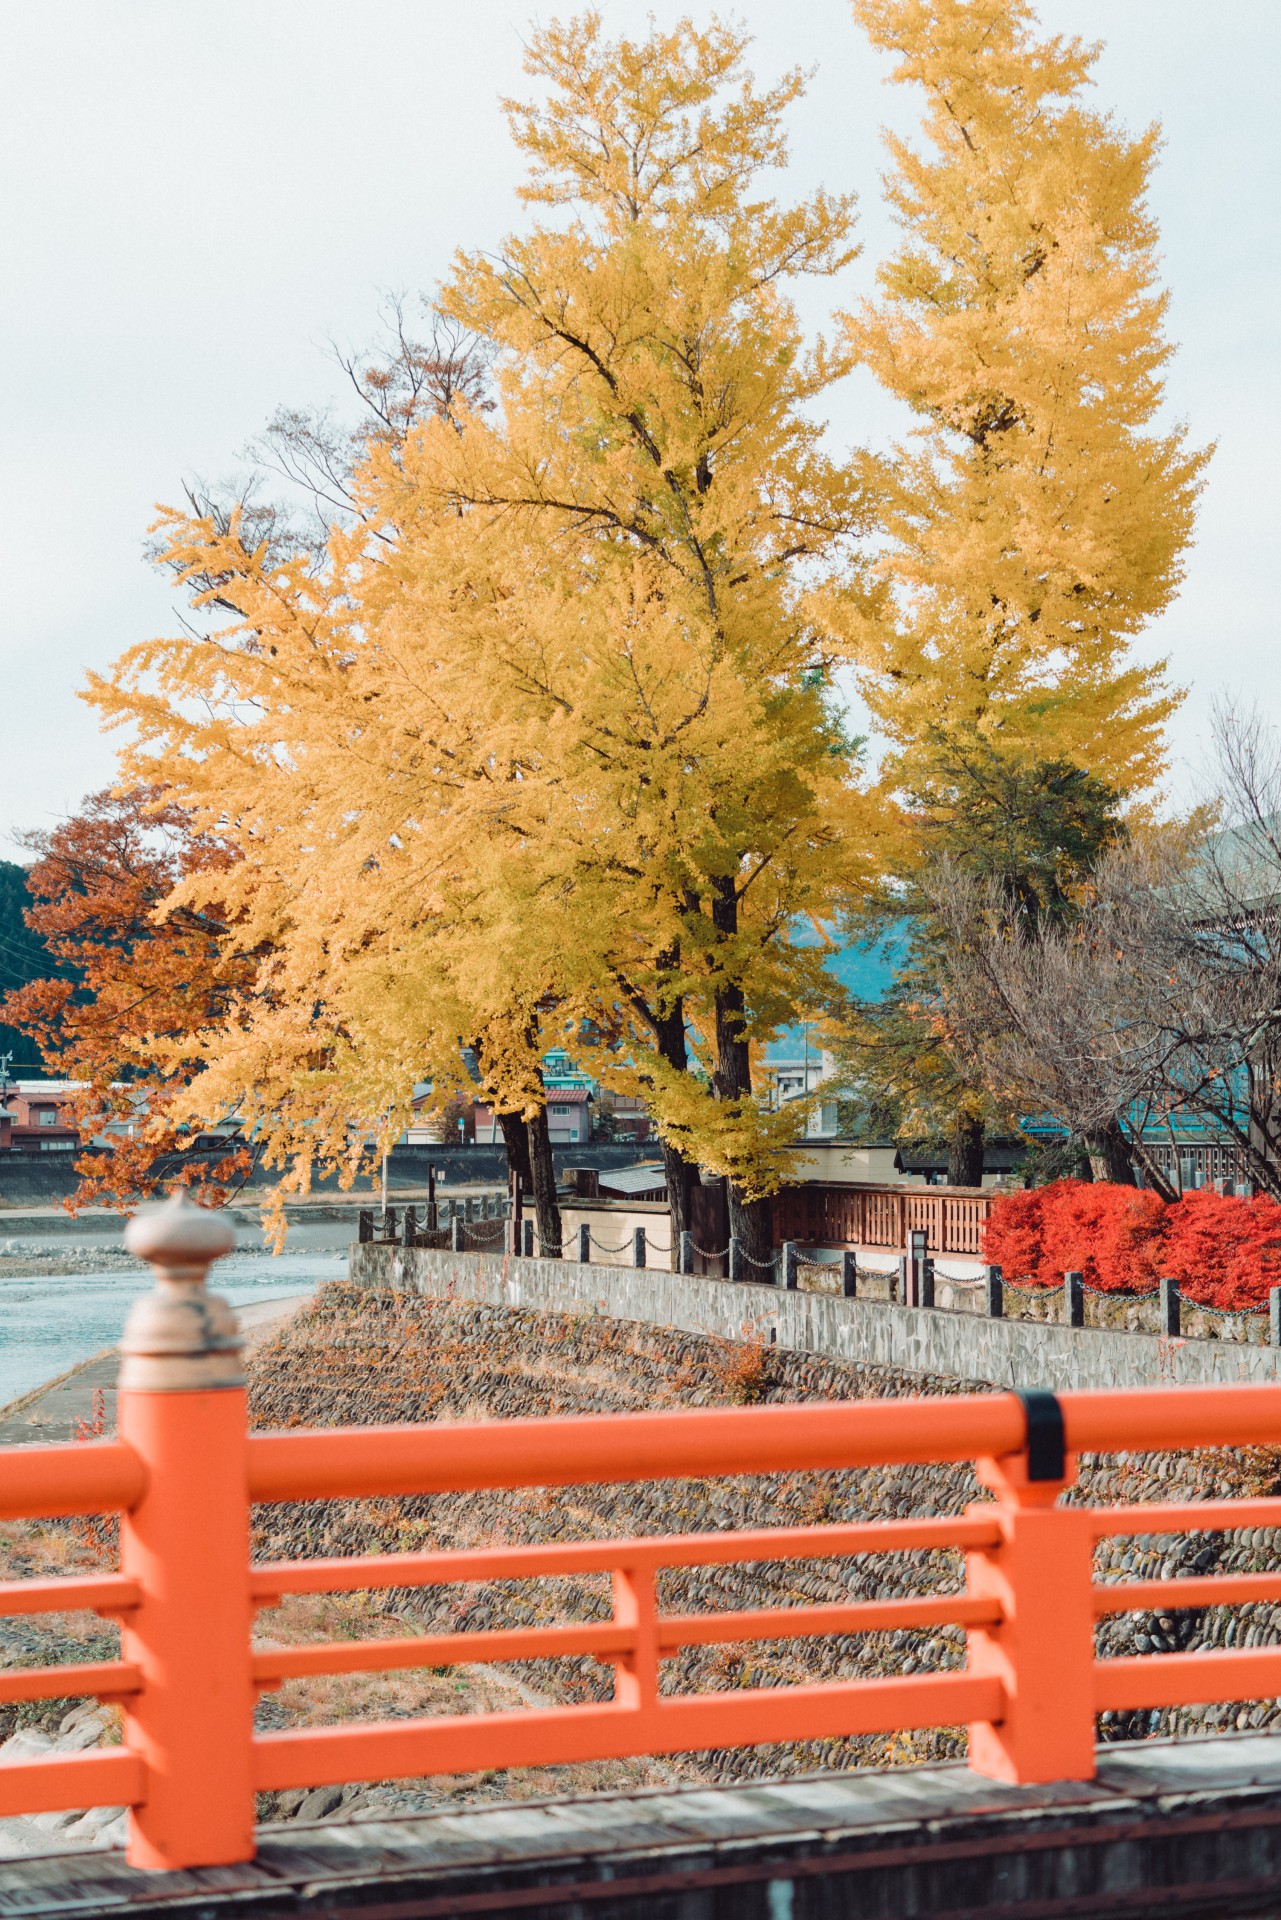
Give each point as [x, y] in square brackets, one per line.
[197, 199]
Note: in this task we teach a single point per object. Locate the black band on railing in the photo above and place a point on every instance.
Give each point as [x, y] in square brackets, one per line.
[1046, 1443]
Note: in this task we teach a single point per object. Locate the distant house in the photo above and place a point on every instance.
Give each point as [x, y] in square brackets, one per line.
[628, 1116]
[569, 1116]
[569, 1119]
[31, 1118]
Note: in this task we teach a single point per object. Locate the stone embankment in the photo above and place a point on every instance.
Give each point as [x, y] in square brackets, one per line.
[37, 1259]
[963, 1345]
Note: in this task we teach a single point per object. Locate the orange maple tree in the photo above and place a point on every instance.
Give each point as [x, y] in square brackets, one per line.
[122, 1018]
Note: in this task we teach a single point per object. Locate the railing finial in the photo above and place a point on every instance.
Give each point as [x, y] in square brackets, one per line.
[180, 1338]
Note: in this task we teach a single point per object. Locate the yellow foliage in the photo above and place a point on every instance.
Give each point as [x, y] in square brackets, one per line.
[549, 753]
[1038, 521]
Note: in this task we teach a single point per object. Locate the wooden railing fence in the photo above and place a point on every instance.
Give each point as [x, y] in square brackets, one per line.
[863, 1215]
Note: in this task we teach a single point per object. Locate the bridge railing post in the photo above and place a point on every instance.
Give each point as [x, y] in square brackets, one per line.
[686, 1255]
[636, 1606]
[1042, 1646]
[182, 1409]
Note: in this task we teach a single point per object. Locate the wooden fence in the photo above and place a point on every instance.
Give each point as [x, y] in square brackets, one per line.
[850, 1214]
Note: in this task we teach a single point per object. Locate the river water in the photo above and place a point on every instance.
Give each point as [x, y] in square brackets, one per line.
[50, 1322]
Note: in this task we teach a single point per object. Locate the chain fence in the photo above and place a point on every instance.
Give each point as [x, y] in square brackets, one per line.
[484, 1236]
[762, 1266]
[1053, 1293]
[1224, 1313]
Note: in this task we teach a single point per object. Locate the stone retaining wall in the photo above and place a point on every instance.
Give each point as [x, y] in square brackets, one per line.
[1008, 1353]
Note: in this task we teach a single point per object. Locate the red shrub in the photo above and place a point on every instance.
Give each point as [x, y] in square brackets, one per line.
[1222, 1251]
[1110, 1234]
[1013, 1234]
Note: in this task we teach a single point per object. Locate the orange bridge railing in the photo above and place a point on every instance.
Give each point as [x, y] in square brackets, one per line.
[185, 1469]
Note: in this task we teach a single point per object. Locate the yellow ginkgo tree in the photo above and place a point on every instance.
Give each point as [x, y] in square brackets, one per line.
[542, 745]
[1036, 520]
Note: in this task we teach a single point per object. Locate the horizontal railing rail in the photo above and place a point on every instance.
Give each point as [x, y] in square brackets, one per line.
[185, 1471]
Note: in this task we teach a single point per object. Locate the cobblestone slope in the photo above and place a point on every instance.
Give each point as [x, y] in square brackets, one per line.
[359, 1357]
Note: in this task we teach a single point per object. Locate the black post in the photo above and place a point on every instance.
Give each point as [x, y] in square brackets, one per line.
[849, 1273]
[686, 1254]
[1074, 1299]
[995, 1293]
[638, 1246]
[527, 1238]
[364, 1226]
[918, 1244]
[927, 1283]
[458, 1230]
[898, 1282]
[736, 1261]
[585, 1243]
[411, 1226]
[1170, 1317]
[789, 1275]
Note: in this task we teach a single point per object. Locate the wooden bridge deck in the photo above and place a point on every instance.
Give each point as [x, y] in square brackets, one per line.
[1188, 1829]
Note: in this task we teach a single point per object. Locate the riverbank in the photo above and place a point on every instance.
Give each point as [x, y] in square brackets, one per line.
[61, 1306]
[81, 1402]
